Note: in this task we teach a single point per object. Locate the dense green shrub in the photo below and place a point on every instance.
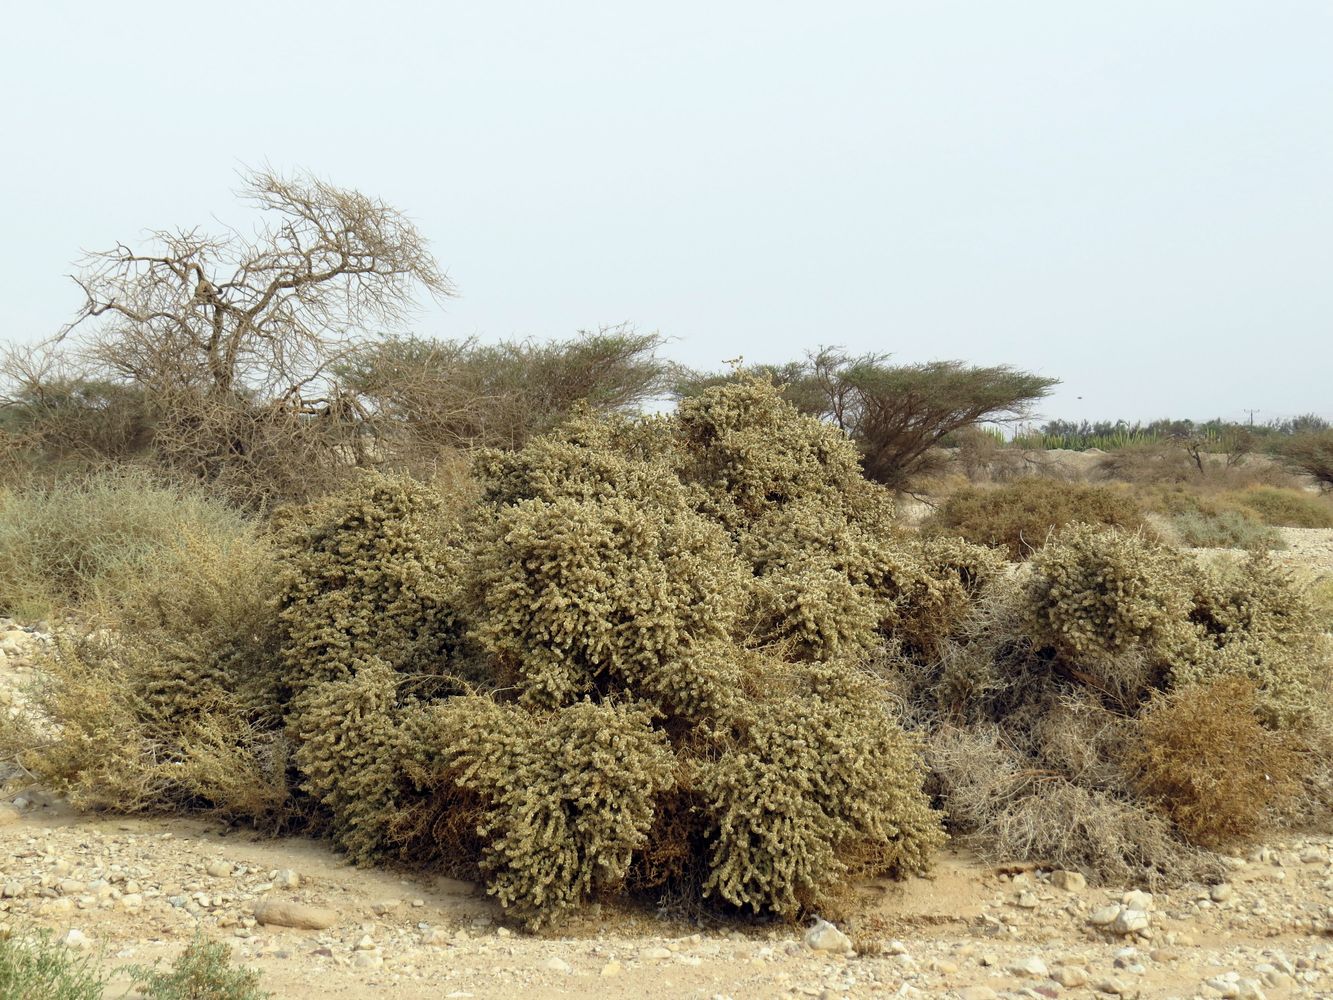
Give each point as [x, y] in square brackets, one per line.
[1257, 622]
[1112, 603]
[573, 596]
[1019, 516]
[812, 784]
[567, 796]
[365, 577]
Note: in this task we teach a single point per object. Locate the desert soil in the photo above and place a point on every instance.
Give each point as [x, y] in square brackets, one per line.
[136, 890]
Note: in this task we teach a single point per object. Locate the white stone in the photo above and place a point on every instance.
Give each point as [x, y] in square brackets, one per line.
[823, 936]
[1104, 916]
[76, 939]
[1129, 921]
[1032, 967]
[554, 964]
[654, 953]
[1137, 899]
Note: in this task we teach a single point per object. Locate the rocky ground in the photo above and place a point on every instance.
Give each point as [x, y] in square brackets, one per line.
[137, 890]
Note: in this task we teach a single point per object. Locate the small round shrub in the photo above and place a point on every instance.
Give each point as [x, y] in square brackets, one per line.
[1210, 764]
[1020, 516]
[1102, 599]
[1257, 622]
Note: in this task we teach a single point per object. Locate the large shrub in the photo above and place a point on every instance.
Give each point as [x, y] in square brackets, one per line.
[1019, 516]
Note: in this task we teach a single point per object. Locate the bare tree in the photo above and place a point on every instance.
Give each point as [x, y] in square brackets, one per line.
[231, 339]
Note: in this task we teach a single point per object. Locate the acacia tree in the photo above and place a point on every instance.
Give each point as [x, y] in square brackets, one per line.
[897, 413]
[230, 339]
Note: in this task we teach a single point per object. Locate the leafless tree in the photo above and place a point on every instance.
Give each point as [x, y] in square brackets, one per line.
[230, 339]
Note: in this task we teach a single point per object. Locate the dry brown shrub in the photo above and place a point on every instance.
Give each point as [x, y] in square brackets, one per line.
[1208, 763]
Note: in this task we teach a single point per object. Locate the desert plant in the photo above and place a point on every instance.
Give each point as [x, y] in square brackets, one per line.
[1287, 508]
[462, 394]
[1227, 529]
[33, 967]
[1310, 454]
[567, 796]
[1112, 604]
[1018, 517]
[365, 577]
[81, 539]
[165, 700]
[202, 971]
[896, 413]
[1185, 735]
[812, 784]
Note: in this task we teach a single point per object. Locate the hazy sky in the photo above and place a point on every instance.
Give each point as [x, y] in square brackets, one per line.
[1134, 197]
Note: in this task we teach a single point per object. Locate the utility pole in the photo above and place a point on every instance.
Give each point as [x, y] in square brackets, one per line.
[1251, 413]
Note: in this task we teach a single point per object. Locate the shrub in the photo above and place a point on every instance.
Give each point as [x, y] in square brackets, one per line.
[201, 972]
[1020, 516]
[365, 577]
[1105, 600]
[1186, 737]
[567, 796]
[33, 967]
[1310, 454]
[166, 700]
[1258, 623]
[78, 540]
[813, 784]
[572, 596]
[1287, 508]
[1226, 530]
[1009, 809]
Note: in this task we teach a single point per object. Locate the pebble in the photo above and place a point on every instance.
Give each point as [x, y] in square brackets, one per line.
[1111, 986]
[555, 964]
[1221, 893]
[287, 879]
[1129, 921]
[76, 939]
[610, 969]
[219, 869]
[654, 953]
[1104, 916]
[977, 993]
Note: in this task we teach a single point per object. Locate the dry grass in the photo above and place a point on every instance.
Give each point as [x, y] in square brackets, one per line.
[1013, 809]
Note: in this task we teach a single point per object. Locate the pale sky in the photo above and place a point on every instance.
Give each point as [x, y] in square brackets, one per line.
[1134, 197]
